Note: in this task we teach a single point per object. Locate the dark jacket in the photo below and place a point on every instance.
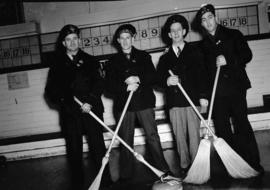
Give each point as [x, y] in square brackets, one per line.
[189, 67]
[232, 44]
[79, 78]
[120, 68]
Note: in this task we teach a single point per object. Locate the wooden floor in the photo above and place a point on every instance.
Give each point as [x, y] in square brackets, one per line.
[51, 174]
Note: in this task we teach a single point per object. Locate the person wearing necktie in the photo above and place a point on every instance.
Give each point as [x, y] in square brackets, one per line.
[76, 73]
[185, 61]
[178, 51]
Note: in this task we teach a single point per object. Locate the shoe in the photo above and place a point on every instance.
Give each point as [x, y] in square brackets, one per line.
[3, 162]
[106, 184]
[185, 169]
[169, 176]
[183, 172]
[260, 169]
[122, 182]
[168, 173]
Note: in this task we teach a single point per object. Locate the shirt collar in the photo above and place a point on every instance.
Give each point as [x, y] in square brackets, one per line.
[175, 48]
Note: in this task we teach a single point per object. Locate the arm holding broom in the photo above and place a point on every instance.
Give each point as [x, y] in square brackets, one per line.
[96, 183]
[132, 69]
[193, 106]
[137, 155]
[228, 48]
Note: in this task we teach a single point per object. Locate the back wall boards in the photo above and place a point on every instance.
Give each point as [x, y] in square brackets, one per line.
[97, 40]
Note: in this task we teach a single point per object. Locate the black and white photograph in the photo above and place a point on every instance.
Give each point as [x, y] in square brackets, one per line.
[134, 94]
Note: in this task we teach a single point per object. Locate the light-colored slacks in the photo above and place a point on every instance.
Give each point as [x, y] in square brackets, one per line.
[186, 128]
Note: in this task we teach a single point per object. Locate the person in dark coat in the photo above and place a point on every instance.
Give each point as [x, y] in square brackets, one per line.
[132, 69]
[186, 62]
[228, 49]
[76, 73]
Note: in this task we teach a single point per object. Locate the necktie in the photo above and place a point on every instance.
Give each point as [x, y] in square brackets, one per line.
[128, 56]
[178, 51]
[73, 57]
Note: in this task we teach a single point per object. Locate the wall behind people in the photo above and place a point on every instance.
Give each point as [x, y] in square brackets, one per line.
[52, 15]
[23, 108]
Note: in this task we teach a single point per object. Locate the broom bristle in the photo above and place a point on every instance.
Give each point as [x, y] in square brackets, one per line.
[236, 166]
[96, 183]
[199, 171]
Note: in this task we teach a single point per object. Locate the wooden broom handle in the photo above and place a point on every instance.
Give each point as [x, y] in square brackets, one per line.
[119, 122]
[213, 95]
[193, 106]
[105, 126]
[137, 155]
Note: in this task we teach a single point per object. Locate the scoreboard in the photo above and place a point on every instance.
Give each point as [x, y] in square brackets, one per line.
[97, 39]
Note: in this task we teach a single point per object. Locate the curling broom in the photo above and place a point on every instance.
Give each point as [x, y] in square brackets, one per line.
[236, 166]
[138, 156]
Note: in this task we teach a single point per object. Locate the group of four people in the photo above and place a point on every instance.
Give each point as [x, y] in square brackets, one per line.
[75, 73]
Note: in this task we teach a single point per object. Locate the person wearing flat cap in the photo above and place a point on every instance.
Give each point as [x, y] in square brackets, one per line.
[228, 49]
[185, 61]
[75, 73]
[128, 70]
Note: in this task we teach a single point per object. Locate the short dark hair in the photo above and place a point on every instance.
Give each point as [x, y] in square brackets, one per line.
[177, 19]
[68, 29]
[196, 23]
[127, 28]
[173, 19]
[204, 9]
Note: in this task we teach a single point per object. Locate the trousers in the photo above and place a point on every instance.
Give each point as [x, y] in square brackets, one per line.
[241, 138]
[186, 129]
[147, 121]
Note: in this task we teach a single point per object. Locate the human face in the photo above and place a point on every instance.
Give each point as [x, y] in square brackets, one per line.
[209, 22]
[125, 40]
[177, 33]
[71, 42]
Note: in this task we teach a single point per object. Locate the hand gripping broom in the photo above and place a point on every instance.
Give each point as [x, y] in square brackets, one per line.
[202, 159]
[138, 156]
[199, 171]
[96, 183]
[236, 166]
